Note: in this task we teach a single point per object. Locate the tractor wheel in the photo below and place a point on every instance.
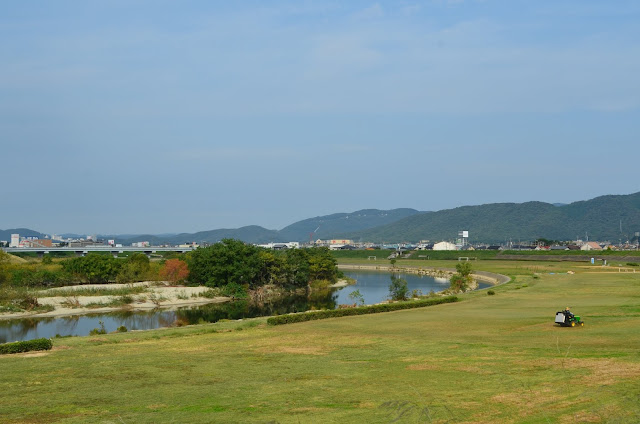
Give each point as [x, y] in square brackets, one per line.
[573, 324]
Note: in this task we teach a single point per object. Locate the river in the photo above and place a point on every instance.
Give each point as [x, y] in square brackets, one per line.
[373, 286]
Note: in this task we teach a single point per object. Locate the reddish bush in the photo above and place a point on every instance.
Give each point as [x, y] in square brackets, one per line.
[174, 270]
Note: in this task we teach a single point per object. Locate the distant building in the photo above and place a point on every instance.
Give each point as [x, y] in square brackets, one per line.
[559, 248]
[15, 240]
[444, 245]
[591, 245]
[37, 243]
[342, 242]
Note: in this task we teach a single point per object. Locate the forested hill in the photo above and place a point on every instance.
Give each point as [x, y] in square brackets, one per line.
[5, 235]
[323, 227]
[327, 227]
[600, 218]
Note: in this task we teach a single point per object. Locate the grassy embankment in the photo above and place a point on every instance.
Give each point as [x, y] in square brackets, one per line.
[485, 359]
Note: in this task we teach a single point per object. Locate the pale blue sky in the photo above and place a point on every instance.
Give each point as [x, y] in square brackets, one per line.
[165, 116]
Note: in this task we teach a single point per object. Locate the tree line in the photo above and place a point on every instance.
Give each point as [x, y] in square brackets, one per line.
[227, 263]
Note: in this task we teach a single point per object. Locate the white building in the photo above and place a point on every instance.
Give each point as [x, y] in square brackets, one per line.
[15, 240]
[444, 245]
[591, 245]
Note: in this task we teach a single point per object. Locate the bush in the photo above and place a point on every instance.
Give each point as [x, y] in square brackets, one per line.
[373, 309]
[491, 293]
[96, 331]
[26, 346]
[174, 271]
[235, 291]
[122, 329]
[398, 288]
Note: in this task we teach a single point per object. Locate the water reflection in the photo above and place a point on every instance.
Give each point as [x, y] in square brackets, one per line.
[81, 325]
[374, 286]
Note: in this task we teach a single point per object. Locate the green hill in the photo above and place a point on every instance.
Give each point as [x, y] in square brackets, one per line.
[600, 218]
[5, 235]
[327, 227]
[324, 227]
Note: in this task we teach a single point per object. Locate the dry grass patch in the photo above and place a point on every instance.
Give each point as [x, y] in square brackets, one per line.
[604, 372]
[582, 417]
[298, 350]
[475, 370]
[601, 371]
[426, 366]
[32, 354]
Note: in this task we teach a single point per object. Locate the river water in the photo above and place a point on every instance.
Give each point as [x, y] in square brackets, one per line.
[374, 287]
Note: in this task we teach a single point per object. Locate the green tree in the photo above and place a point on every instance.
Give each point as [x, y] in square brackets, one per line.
[135, 268]
[398, 289]
[459, 281]
[272, 268]
[297, 270]
[322, 265]
[226, 262]
[464, 268]
[93, 268]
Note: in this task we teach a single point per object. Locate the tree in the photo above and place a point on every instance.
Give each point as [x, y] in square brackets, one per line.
[93, 268]
[464, 268]
[174, 271]
[229, 261]
[398, 289]
[322, 265]
[135, 268]
[459, 281]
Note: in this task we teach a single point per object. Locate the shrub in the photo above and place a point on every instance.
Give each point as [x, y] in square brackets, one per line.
[209, 294]
[26, 346]
[357, 297]
[373, 309]
[235, 291]
[491, 293]
[398, 288]
[632, 264]
[29, 302]
[122, 329]
[100, 330]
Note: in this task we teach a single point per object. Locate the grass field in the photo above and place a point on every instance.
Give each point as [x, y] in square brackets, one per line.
[486, 359]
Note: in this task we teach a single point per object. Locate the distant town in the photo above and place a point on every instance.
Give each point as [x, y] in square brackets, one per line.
[93, 242]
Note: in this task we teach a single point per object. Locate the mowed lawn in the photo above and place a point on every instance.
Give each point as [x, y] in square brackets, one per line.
[486, 359]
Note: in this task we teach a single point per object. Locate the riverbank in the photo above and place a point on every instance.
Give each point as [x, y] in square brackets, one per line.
[154, 296]
[487, 277]
[494, 358]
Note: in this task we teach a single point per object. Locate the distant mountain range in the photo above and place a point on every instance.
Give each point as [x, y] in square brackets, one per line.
[612, 217]
[321, 227]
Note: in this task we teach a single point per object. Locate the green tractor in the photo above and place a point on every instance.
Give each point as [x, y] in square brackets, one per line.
[567, 319]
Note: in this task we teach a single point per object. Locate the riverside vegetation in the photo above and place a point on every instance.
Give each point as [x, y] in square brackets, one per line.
[230, 268]
[497, 358]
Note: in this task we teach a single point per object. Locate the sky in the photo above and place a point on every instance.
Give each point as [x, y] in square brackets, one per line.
[154, 116]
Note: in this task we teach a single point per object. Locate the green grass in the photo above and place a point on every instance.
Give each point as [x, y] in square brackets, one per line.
[485, 359]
